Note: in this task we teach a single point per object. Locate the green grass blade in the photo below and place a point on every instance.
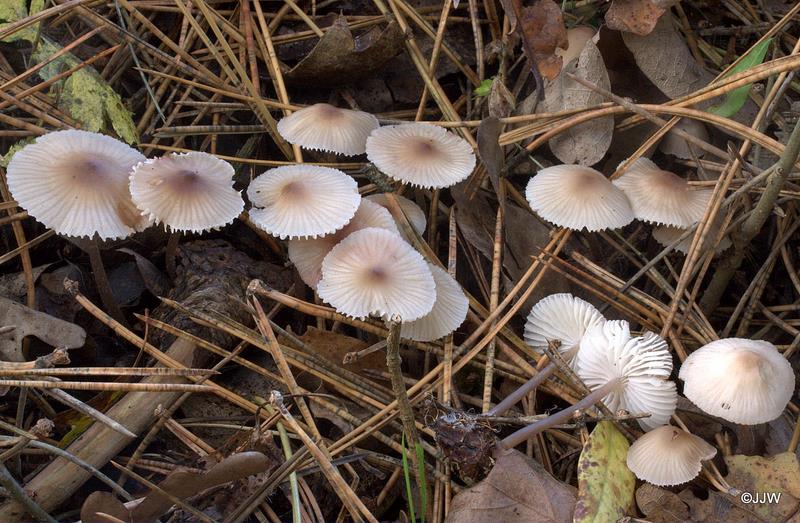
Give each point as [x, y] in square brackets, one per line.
[407, 478]
[736, 99]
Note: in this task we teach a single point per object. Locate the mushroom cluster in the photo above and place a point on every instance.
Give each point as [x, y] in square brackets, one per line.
[578, 197]
[743, 381]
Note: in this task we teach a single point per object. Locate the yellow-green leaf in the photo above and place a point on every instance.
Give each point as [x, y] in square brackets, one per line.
[605, 485]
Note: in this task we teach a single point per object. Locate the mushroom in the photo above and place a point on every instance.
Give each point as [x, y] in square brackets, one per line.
[421, 154]
[416, 216]
[740, 380]
[560, 317]
[307, 254]
[638, 368]
[328, 128]
[76, 183]
[666, 235]
[448, 312]
[374, 271]
[677, 146]
[577, 38]
[577, 197]
[668, 456]
[625, 373]
[188, 192]
[661, 197]
[302, 201]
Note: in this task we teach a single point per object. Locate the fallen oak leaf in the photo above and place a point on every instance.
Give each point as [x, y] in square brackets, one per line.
[517, 489]
[18, 321]
[634, 16]
[339, 58]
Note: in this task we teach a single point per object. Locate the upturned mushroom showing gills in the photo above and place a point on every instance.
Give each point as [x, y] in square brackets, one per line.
[76, 183]
[448, 312]
[560, 317]
[307, 254]
[668, 456]
[638, 367]
[421, 154]
[328, 128]
[661, 197]
[187, 192]
[302, 201]
[578, 197]
[740, 380]
[375, 272]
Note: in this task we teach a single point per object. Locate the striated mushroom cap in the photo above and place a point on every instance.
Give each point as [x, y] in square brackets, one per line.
[328, 128]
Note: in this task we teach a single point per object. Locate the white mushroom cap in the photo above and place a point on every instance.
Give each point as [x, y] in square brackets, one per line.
[668, 456]
[302, 201]
[421, 154]
[76, 183]
[328, 128]
[659, 196]
[667, 234]
[740, 380]
[577, 197]
[448, 313]
[374, 271]
[187, 192]
[560, 317]
[307, 254]
[416, 216]
[577, 38]
[677, 146]
[643, 365]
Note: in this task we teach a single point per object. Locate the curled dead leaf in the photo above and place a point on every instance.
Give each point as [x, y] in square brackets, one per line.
[543, 31]
[517, 489]
[18, 321]
[339, 58]
[634, 16]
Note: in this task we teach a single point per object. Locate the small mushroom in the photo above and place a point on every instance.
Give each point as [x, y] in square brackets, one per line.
[76, 183]
[328, 128]
[302, 201]
[375, 272]
[666, 235]
[421, 154]
[661, 197]
[578, 197]
[668, 456]
[740, 380]
[677, 146]
[560, 317]
[448, 312]
[639, 366]
[416, 216]
[307, 254]
[187, 192]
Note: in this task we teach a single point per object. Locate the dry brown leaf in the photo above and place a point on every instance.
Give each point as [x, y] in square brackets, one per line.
[339, 58]
[489, 149]
[587, 143]
[105, 503]
[543, 31]
[633, 16]
[333, 346]
[715, 509]
[23, 321]
[665, 59]
[758, 476]
[517, 489]
[661, 505]
[183, 484]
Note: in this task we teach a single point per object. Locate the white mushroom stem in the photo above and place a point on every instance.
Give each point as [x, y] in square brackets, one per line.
[559, 418]
[516, 396]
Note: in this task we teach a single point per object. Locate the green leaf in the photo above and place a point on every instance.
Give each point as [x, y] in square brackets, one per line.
[484, 89]
[423, 481]
[736, 99]
[605, 485]
[407, 479]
